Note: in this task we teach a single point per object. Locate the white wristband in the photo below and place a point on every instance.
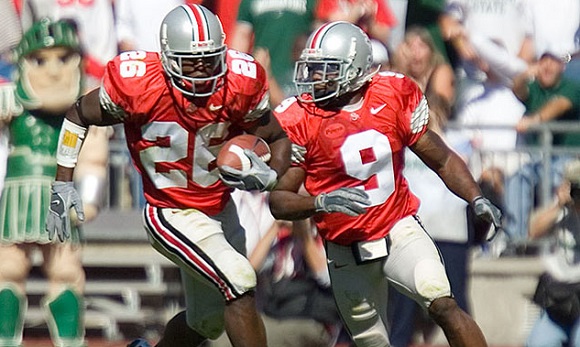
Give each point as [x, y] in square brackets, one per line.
[70, 141]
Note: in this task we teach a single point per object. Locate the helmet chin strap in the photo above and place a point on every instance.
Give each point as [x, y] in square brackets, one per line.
[342, 100]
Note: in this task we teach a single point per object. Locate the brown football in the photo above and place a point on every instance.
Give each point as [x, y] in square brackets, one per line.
[232, 152]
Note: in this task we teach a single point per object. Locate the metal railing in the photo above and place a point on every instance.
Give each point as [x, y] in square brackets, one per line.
[545, 151]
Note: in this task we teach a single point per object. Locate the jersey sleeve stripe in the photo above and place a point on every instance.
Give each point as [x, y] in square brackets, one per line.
[420, 116]
[110, 106]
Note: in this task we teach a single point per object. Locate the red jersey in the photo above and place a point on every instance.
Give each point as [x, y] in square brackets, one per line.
[173, 143]
[363, 148]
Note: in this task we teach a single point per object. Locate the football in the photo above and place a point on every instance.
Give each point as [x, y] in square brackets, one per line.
[232, 152]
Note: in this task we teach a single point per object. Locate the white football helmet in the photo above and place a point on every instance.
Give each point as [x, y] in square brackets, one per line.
[337, 60]
[192, 32]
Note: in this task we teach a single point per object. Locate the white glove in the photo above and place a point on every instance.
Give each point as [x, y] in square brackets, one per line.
[258, 177]
[486, 211]
[350, 201]
[9, 106]
[63, 197]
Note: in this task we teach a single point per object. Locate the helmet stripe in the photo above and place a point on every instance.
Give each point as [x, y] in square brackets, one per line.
[199, 22]
[319, 34]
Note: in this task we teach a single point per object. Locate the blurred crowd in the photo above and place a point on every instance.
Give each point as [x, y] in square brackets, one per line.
[499, 77]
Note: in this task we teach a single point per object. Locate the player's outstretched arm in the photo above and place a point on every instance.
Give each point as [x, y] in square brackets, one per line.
[452, 169]
[456, 175]
[85, 112]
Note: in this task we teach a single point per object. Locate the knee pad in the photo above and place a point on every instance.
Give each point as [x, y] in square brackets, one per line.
[431, 281]
[65, 319]
[13, 306]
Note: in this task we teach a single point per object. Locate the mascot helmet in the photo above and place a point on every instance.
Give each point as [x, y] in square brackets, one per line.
[46, 33]
[34, 88]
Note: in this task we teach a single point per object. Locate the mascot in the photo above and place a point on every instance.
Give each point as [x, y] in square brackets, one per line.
[48, 81]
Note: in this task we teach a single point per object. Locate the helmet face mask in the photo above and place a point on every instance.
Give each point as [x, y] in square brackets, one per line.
[332, 65]
[193, 50]
[322, 79]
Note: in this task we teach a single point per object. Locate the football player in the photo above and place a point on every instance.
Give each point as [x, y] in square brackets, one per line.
[177, 108]
[349, 126]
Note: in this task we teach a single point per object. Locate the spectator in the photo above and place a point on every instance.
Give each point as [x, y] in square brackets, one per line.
[373, 16]
[418, 58]
[556, 30]
[493, 43]
[96, 24]
[48, 82]
[137, 23]
[425, 14]
[293, 292]
[259, 26]
[227, 11]
[547, 96]
[399, 10]
[573, 69]
[353, 126]
[173, 132]
[294, 288]
[559, 222]
[11, 34]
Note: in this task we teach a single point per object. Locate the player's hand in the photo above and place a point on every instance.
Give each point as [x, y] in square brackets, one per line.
[259, 177]
[486, 211]
[350, 201]
[9, 106]
[297, 154]
[63, 197]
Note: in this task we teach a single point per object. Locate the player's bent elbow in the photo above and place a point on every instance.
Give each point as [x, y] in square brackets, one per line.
[281, 210]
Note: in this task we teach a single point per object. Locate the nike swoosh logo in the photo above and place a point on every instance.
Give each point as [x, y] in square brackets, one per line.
[214, 108]
[375, 110]
[56, 202]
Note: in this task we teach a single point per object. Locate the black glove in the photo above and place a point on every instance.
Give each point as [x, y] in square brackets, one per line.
[259, 177]
[350, 201]
[63, 197]
[486, 211]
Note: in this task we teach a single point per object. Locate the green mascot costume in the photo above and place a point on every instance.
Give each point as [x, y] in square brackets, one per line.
[48, 83]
